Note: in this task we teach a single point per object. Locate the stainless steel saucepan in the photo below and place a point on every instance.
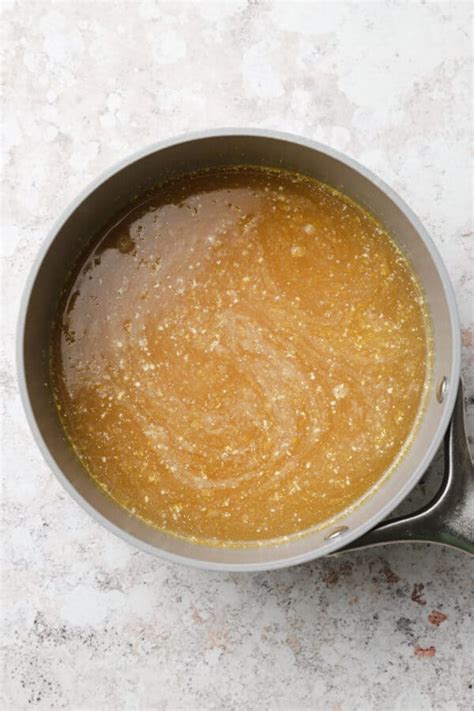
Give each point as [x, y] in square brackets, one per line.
[448, 519]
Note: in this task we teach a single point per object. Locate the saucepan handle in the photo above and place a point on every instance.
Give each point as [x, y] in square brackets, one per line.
[449, 518]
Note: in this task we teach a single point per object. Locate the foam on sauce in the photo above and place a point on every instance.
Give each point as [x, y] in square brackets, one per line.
[241, 357]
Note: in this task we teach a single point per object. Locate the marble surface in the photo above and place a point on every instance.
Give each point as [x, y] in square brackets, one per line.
[90, 623]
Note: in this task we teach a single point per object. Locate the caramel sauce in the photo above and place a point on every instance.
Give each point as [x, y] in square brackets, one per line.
[241, 357]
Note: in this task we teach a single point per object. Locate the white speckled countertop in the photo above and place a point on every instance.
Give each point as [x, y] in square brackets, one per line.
[89, 622]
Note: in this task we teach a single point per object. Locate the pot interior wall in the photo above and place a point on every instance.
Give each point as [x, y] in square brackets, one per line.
[108, 199]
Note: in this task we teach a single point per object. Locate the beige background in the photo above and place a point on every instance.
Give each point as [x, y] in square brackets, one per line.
[91, 623]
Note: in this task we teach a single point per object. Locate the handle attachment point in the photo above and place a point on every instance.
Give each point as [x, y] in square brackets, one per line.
[448, 519]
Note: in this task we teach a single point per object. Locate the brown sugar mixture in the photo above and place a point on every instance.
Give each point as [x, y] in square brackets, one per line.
[241, 357]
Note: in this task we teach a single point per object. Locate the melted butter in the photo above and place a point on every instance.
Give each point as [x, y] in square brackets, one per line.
[242, 357]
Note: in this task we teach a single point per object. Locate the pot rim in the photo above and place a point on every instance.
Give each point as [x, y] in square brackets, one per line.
[352, 534]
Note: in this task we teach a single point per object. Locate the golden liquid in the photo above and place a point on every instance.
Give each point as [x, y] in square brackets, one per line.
[241, 357]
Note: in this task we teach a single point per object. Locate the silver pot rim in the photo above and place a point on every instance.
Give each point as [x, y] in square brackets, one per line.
[331, 545]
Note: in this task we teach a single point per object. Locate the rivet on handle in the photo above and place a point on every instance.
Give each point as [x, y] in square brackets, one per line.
[337, 532]
[441, 389]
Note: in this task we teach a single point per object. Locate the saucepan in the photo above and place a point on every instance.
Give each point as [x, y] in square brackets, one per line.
[448, 519]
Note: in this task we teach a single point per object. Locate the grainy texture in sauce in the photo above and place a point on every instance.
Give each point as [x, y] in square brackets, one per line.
[241, 357]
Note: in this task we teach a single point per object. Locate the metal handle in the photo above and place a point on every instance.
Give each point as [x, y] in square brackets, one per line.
[449, 518]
